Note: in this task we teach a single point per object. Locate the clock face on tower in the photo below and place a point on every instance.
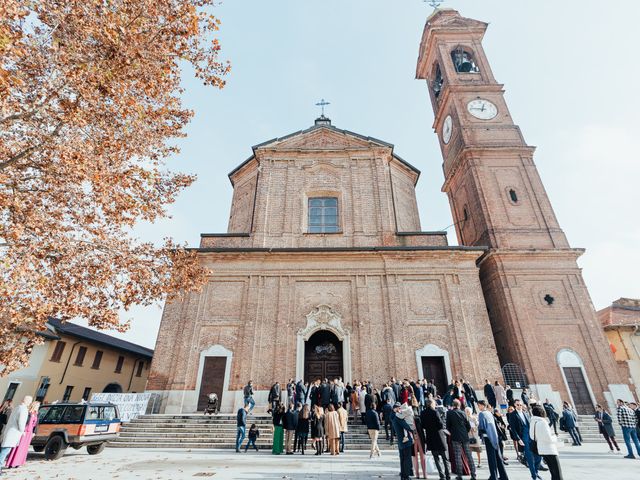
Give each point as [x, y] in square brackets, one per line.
[447, 129]
[482, 109]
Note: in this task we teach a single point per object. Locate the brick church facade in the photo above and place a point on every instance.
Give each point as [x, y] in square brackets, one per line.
[325, 271]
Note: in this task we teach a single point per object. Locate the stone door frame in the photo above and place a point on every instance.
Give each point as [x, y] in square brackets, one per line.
[432, 350]
[324, 317]
[569, 358]
[213, 351]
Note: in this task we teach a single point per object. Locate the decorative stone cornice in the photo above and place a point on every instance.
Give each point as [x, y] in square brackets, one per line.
[323, 317]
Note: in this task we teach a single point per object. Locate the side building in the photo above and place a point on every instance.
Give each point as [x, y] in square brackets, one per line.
[621, 323]
[74, 362]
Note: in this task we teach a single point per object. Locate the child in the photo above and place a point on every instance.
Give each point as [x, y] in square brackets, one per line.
[406, 413]
[254, 433]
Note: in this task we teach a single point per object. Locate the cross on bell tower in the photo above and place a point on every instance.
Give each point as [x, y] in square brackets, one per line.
[433, 3]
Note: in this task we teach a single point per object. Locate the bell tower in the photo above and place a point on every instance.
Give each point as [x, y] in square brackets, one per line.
[541, 314]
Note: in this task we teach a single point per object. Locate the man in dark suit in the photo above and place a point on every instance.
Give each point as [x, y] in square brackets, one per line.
[519, 424]
[325, 393]
[459, 428]
[552, 415]
[469, 394]
[489, 394]
[435, 438]
[431, 389]
[396, 387]
[274, 397]
[290, 423]
[387, 414]
[301, 392]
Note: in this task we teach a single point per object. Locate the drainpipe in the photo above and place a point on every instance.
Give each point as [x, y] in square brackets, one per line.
[135, 363]
[68, 360]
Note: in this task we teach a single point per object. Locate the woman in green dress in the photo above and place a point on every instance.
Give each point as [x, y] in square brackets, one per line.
[278, 432]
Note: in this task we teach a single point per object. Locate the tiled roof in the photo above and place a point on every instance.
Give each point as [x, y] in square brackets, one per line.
[78, 331]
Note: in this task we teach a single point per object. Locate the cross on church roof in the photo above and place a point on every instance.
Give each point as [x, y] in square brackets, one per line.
[322, 103]
[322, 120]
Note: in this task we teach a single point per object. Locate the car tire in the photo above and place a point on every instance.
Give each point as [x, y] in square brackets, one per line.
[37, 448]
[95, 449]
[55, 448]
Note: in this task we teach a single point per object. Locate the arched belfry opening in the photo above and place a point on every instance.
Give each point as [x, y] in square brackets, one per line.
[323, 356]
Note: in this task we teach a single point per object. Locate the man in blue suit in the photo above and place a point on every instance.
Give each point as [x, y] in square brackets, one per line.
[489, 433]
[519, 423]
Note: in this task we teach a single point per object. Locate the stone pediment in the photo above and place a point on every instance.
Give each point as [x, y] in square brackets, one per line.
[322, 138]
[452, 19]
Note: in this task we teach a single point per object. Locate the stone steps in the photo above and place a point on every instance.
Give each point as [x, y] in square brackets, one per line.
[219, 431]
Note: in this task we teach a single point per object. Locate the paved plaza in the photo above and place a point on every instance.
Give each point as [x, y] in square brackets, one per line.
[587, 462]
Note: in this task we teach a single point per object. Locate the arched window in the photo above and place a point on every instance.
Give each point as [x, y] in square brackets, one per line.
[463, 61]
[513, 195]
[437, 82]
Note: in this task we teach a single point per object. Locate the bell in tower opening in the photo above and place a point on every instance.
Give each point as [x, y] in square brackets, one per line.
[438, 81]
[463, 61]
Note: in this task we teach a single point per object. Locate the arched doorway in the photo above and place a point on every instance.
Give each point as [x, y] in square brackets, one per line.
[576, 381]
[112, 388]
[323, 356]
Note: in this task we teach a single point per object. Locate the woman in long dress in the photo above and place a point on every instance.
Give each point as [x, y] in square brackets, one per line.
[18, 455]
[278, 432]
[362, 404]
[540, 432]
[474, 439]
[501, 396]
[354, 400]
[332, 430]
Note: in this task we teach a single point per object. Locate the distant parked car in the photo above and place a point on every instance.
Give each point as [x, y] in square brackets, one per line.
[75, 425]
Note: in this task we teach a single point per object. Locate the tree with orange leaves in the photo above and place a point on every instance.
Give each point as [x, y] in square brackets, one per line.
[89, 104]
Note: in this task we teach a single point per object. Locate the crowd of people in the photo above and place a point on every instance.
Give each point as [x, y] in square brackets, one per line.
[454, 425]
[17, 426]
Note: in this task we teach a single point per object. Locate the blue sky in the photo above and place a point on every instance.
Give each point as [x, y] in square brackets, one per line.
[570, 69]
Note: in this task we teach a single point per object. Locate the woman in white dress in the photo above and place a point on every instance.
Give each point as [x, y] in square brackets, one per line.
[540, 432]
[474, 438]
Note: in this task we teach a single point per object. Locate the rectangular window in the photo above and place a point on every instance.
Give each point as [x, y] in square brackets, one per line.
[42, 389]
[323, 215]
[57, 353]
[86, 393]
[73, 414]
[140, 367]
[11, 391]
[82, 351]
[97, 359]
[119, 364]
[67, 393]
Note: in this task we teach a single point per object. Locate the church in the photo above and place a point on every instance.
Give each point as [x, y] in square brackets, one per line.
[325, 272]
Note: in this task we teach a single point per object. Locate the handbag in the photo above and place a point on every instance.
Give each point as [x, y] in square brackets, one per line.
[533, 444]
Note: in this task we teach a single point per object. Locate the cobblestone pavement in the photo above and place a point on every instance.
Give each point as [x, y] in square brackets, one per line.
[587, 462]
